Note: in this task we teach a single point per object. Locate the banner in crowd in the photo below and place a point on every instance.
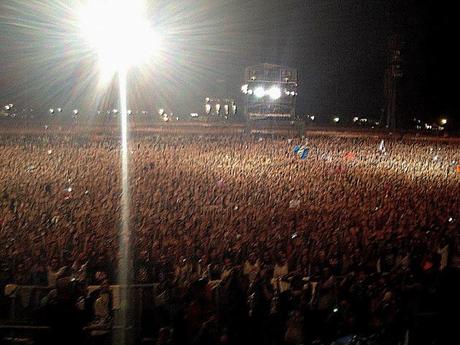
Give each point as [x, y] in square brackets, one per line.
[382, 147]
[301, 151]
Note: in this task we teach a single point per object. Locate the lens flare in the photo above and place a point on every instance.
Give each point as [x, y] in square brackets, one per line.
[119, 33]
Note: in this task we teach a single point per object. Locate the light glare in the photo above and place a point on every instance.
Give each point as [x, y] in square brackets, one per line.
[274, 92]
[259, 92]
[119, 33]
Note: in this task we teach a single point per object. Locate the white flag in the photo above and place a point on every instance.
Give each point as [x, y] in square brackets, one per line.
[382, 146]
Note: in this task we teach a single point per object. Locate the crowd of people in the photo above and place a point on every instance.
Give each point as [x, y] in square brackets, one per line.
[244, 242]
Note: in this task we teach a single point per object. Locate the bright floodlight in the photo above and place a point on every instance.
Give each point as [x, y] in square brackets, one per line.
[274, 92]
[119, 32]
[259, 92]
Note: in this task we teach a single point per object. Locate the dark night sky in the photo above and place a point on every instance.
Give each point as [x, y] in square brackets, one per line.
[338, 46]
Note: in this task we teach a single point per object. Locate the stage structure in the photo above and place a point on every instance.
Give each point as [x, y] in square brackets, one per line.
[270, 92]
[220, 107]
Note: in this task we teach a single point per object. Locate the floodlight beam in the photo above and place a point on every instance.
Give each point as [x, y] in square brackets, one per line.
[119, 33]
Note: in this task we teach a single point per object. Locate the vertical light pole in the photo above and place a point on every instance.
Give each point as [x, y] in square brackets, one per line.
[119, 33]
[125, 234]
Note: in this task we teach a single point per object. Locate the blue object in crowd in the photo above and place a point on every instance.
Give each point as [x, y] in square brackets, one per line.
[303, 153]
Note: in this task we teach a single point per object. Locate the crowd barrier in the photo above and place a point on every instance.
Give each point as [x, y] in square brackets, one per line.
[25, 300]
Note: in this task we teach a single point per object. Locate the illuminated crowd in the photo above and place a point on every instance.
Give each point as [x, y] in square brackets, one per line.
[245, 242]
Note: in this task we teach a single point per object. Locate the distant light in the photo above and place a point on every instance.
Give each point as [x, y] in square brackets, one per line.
[7, 107]
[115, 111]
[194, 114]
[208, 108]
[207, 99]
[450, 219]
[293, 93]
[75, 111]
[335, 310]
[336, 119]
[274, 92]
[226, 109]
[244, 88]
[51, 111]
[363, 120]
[355, 119]
[312, 117]
[250, 92]
[259, 92]
[443, 121]
[69, 189]
[161, 111]
[130, 112]
[59, 110]
[218, 108]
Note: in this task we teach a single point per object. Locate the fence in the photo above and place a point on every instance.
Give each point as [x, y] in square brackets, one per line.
[24, 301]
